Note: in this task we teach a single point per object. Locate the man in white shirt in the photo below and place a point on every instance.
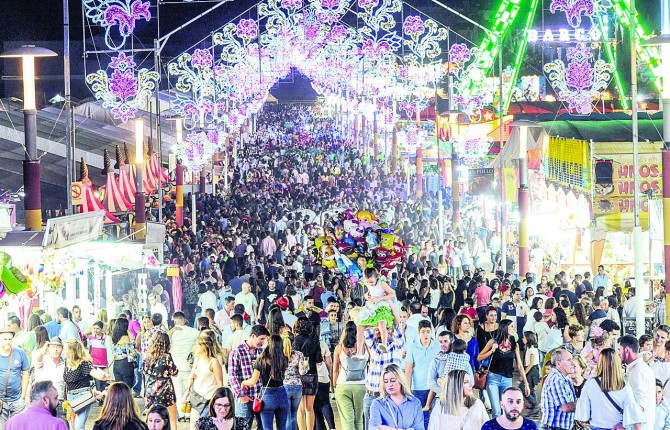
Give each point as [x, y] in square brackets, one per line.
[412, 329]
[182, 340]
[158, 307]
[601, 280]
[630, 306]
[222, 317]
[640, 377]
[50, 366]
[208, 299]
[246, 298]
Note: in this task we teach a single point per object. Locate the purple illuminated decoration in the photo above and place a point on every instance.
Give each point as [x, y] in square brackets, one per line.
[373, 50]
[459, 53]
[472, 150]
[413, 26]
[580, 82]
[202, 58]
[247, 29]
[121, 15]
[330, 4]
[291, 4]
[574, 9]
[123, 92]
[368, 4]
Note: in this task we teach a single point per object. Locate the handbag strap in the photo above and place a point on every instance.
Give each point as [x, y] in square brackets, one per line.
[611, 400]
[395, 422]
[9, 367]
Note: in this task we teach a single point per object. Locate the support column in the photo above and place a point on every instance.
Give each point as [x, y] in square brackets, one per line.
[363, 140]
[419, 172]
[202, 189]
[394, 150]
[31, 173]
[455, 193]
[665, 96]
[523, 215]
[375, 131]
[179, 189]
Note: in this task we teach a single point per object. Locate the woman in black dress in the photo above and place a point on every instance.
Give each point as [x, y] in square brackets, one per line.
[158, 370]
[308, 344]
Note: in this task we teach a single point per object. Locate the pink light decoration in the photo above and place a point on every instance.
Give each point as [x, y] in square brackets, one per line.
[574, 9]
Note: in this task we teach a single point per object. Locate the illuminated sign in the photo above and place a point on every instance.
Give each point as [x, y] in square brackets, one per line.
[564, 35]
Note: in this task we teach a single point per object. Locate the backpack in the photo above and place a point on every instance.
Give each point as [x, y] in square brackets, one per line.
[354, 369]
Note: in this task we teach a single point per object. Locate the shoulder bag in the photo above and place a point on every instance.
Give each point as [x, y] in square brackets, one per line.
[613, 403]
[258, 402]
[4, 390]
[481, 376]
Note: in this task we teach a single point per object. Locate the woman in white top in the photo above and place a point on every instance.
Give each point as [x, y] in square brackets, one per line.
[349, 380]
[206, 376]
[608, 394]
[458, 408]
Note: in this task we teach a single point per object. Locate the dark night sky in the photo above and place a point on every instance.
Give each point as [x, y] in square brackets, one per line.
[41, 20]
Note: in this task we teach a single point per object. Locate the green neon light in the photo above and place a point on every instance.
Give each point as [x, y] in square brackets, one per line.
[612, 59]
[645, 53]
[502, 22]
[521, 52]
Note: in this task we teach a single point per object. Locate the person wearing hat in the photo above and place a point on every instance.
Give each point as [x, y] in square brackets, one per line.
[14, 376]
[50, 366]
[283, 303]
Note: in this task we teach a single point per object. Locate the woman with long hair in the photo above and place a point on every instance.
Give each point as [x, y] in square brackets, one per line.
[158, 418]
[78, 376]
[308, 344]
[270, 368]
[460, 327]
[221, 413]
[448, 295]
[394, 393]
[206, 376]
[293, 379]
[41, 338]
[349, 380]
[503, 351]
[275, 322]
[558, 333]
[119, 410]
[485, 332]
[607, 402]
[459, 409]
[159, 368]
[217, 349]
[124, 353]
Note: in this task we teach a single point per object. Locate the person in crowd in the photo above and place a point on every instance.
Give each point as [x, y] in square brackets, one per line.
[78, 376]
[297, 366]
[124, 354]
[159, 370]
[119, 410]
[531, 367]
[158, 418]
[461, 328]
[182, 340]
[607, 402]
[638, 375]
[308, 344]
[14, 376]
[503, 351]
[558, 394]
[436, 370]
[419, 358]
[270, 368]
[395, 407]
[662, 412]
[206, 376]
[240, 368]
[41, 412]
[221, 413]
[458, 408]
[349, 380]
[511, 403]
[49, 365]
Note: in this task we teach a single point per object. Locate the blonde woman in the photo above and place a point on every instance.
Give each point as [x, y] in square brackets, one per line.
[396, 407]
[608, 394]
[458, 408]
[206, 376]
[78, 376]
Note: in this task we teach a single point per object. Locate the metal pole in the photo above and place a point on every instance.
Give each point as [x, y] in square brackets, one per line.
[501, 172]
[523, 201]
[637, 229]
[193, 206]
[31, 170]
[69, 155]
[159, 140]
[665, 97]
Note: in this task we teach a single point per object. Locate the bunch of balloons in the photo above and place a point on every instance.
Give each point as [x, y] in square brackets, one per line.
[354, 241]
[13, 281]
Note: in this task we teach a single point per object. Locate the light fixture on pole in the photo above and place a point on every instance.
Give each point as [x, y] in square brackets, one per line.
[524, 203]
[140, 203]
[664, 41]
[31, 163]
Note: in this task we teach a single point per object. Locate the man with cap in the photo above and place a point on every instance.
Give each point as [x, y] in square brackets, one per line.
[283, 304]
[13, 389]
[50, 366]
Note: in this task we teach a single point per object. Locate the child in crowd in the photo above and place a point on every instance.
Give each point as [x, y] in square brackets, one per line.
[378, 310]
[469, 309]
[531, 364]
[662, 409]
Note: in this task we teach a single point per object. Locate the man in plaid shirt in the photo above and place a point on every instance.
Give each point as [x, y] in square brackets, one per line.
[240, 368]
[558, 394]
[378, 362]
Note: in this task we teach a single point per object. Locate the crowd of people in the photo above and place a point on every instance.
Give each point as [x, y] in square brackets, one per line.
[261, 334]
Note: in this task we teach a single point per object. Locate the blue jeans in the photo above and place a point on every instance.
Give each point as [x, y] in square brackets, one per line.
[137, 387]
[495, 385]
[294, 394]
[82, 416]
[244, 410]
[323, 409]
[367, 402]
[422, 395]
[275, 408]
